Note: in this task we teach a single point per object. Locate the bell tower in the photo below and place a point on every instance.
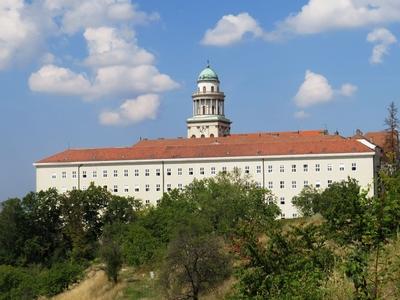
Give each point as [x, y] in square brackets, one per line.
[208, 118]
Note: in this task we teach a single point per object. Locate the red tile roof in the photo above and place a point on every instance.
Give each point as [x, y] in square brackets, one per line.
[253, 144]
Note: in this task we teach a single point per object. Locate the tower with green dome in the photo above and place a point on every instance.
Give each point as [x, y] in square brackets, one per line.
[208, 118]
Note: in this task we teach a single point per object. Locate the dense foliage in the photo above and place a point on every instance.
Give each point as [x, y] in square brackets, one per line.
[214, 229]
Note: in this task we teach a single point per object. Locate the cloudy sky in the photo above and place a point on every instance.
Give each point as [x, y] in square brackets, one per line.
[98, 73]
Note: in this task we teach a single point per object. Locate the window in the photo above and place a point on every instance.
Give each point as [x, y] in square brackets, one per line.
[247, 169]
[318, 184]
[180, 186]
[54, 175]
[169, 172]
[201, 171]
[341, 167]
[126, 173]
[64, 174]
[294, 184]
[169, 187]
[94, 174]
[84, 174]
[305, 168]
[137, 188]
[74, 174]
[105, 173]
[281, 168]
[212, 89]
[270, 184]
[158, 201]
[353, 166]
[179, 171]
[190, 171]
[317, 167]
[329, 167]
[305, 183]
[329, 183]
[105, 187]
[136, 172]
[294, 168]
[158, 173]
[269, 168]
[147, 172]
[147, 188]
[126, 189]
[212, 170]
[115, 173]
[204, 89]
[115, 190]
[74, 188]
[223, 169]
[282, 200]
[147, 202]
[282, 184]
[258, 169]
[294, 215]
[282, 216]
[258, 184]
[158, 187]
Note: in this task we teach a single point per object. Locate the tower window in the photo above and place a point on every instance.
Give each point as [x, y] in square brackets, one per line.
[212, 89]
[204, 110]
[204, 89]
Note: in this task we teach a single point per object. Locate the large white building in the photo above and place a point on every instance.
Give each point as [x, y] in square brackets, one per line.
[283, 162]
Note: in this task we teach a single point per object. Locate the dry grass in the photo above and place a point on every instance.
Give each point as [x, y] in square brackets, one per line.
[94, 286]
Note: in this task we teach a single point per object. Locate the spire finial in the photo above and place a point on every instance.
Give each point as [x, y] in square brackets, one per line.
[208, 63]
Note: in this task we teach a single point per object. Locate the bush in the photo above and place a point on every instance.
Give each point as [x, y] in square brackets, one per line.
[17, 283]
[56, 279]
[139, 246]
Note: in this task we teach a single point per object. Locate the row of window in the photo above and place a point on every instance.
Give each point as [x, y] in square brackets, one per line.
[213, 171]
[157, 188]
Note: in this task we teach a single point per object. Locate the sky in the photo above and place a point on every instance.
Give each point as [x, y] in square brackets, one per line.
[104, 73]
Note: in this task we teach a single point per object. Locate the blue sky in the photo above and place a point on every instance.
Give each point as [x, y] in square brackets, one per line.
[106, 72]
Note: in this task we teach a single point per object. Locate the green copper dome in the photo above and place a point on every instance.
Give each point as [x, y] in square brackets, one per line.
[208, 74]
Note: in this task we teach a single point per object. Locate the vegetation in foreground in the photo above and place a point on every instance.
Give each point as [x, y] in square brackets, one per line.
[215, 230]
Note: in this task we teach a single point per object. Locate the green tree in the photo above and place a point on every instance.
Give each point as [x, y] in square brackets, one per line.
[111, 255]
[195, 262]
[14, 231]
[82, 214]
[392, 138]
[293, 264]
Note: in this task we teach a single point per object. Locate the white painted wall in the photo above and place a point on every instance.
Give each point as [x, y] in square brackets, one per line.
[364, 173]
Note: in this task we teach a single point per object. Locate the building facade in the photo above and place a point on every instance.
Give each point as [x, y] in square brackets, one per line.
[283, 162]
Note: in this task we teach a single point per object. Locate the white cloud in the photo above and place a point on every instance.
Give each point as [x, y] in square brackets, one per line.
[316, 89]
[382, 38]
[132, 111]
[77, 14]
[20, 35]
[231, 29]
[108, 46]
[109, 81]
[348, 90]
[322, 15]
[301, 114]
[56, 80]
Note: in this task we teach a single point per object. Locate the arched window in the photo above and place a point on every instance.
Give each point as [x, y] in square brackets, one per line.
[193, 136]
[202, 136]
[211, 135]
[212, 88]
[204, 89]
